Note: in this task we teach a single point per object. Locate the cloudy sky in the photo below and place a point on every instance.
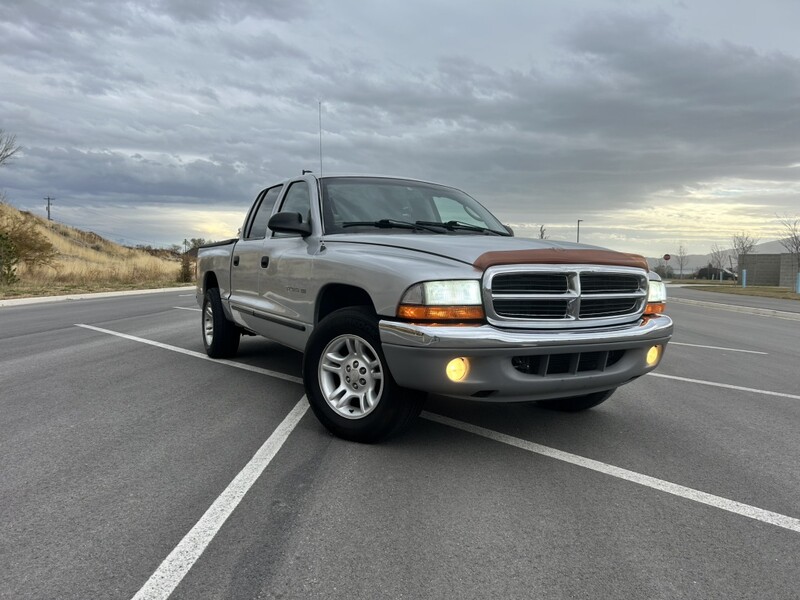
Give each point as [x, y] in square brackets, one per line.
[655, 122]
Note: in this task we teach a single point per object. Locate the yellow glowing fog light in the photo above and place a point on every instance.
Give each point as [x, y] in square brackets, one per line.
[457, 369]
[653, 356]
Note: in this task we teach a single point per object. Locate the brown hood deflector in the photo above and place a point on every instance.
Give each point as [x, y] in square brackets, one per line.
[559, 256]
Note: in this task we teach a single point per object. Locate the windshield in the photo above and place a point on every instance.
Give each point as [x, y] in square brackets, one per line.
[369, 203]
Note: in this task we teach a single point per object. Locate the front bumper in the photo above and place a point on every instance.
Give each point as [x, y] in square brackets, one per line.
[417, 356]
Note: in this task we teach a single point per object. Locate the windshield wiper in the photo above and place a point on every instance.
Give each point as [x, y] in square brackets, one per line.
[461, 226]
[392, 224]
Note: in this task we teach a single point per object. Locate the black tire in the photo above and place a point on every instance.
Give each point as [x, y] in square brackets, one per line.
[576, 403]
[220, 336]
[368, 407]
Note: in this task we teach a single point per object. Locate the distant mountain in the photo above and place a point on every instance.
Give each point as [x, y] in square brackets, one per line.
[698, 261]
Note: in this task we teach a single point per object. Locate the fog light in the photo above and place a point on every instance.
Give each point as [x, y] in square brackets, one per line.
[457, 369]
[653, 356]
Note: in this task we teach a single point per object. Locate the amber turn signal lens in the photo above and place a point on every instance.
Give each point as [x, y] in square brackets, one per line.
[655, 308]
[417, 312]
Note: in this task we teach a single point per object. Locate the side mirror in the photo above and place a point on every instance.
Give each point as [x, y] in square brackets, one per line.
[509, 230]
[289, 222]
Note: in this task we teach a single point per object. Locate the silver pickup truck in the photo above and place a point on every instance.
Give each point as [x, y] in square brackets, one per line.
[394, 288]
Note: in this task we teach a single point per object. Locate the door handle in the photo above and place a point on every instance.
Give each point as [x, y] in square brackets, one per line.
[264, 262]
[235, 261]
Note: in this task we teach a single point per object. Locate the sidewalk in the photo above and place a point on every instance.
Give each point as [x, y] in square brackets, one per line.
[678, 292]
[42, 299]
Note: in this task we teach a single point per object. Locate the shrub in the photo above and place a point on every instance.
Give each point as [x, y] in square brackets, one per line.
[31, 247]
[8, 260]
[185, 275]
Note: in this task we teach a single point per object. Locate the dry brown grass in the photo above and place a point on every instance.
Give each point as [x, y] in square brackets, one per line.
[751, 290]
[86, 261]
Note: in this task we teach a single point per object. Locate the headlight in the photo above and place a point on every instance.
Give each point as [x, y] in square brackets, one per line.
[657, 292]
[454, 300]
[656, 297]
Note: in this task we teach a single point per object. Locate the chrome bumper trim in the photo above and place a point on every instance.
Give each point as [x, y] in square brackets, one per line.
[488, 336]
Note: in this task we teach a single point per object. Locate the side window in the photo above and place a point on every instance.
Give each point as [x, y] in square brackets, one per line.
[258, 226]
[297, 200]
[452, 210]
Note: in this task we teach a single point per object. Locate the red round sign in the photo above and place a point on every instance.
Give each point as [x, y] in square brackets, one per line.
[667, 257]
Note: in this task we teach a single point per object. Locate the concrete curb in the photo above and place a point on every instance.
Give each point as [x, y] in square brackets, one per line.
[763, 312]
[44, 299]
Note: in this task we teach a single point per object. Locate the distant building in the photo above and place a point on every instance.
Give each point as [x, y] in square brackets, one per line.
[769, 269]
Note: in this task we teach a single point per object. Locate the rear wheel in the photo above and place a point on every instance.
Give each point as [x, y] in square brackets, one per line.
[348, 383]
[220, 336]
[576, 403]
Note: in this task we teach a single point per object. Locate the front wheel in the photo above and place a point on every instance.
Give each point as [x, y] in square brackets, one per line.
[348, 383]
[220, 336]
[576, 403]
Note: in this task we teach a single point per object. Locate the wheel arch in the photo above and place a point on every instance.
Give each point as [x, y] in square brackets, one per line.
[210, 281]
[336, 296]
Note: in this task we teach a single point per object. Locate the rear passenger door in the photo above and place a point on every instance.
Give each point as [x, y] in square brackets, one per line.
[246, 264]
[284, 283]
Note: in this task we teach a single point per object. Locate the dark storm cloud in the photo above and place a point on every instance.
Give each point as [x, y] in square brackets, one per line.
[207, 102]
[632, 109]
[232, 10]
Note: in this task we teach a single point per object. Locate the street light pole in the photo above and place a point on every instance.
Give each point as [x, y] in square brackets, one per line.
[578, 239]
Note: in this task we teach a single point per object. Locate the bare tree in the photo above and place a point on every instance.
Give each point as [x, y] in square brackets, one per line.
[543, 232]
[791, 228]
[743, 244]
[717, 257]
[683, 259]
[8, 146]
[663, 269]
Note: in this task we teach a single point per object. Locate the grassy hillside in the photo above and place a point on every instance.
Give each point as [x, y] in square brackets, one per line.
[82, 261]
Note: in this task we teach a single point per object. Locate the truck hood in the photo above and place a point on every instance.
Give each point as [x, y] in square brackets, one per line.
[483, 250]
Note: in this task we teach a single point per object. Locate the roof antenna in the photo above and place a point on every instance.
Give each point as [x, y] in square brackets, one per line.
[319, 109]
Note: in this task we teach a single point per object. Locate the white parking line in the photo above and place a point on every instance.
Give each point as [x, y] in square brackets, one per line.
[199, 355]
[738, 508]
[174, 568]
[727, 386]
[187, 308]
[677, 344]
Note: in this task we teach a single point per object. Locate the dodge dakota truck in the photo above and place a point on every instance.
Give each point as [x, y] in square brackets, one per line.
[394, 288]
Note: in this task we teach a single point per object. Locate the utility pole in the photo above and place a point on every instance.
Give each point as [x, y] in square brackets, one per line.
[49, 199]
[578, 239]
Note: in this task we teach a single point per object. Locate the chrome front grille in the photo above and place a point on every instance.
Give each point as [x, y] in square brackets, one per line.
[561, 296]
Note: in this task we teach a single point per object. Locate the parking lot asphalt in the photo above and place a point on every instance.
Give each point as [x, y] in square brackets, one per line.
[135, 467]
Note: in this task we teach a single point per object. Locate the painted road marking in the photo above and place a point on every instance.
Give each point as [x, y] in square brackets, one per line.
[198, 310]
[180, 560]
[738, 508]
[726, 386]
[200, 355]
[177, 564]
[672, 344]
